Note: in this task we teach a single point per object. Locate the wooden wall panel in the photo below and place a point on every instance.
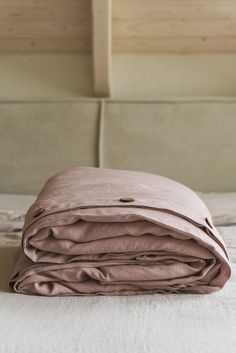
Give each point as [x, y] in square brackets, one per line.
[146, 26]
[45, 26]
[102, 47]
[184, 26]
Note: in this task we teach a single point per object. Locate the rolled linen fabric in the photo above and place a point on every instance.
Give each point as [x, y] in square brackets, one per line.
[97, 231]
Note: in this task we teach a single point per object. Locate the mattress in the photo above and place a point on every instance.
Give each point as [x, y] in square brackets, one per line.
[146, 323]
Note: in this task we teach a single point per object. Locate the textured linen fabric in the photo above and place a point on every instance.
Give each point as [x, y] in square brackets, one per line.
[80, 238]
[144, 323]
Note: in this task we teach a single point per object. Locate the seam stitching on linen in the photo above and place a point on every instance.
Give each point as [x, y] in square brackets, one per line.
[100, 133]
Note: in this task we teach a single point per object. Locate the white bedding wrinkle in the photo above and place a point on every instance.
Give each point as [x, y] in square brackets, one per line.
[222, 207]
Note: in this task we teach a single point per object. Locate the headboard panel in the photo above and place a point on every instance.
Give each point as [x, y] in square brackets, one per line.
[39, 139]
[192, 141]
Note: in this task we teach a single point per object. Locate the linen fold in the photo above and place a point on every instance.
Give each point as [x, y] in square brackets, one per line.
[97, 231]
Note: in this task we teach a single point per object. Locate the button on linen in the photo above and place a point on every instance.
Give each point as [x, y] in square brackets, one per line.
[126, 199]
[38, 212]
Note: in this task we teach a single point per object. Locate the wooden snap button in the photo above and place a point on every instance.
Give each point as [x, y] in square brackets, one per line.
[126, 199]
[38, 212]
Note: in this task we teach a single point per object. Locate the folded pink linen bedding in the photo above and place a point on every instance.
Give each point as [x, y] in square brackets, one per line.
[103, 231]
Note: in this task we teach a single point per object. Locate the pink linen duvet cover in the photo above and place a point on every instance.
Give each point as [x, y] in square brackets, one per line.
[96, 231]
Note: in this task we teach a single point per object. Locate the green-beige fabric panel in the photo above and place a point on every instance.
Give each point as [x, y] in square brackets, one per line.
[192, 142]
[40, 139]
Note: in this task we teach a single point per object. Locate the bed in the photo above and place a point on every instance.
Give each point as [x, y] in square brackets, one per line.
[164, 323]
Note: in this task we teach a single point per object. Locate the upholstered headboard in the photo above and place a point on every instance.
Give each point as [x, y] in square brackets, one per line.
[191, 140]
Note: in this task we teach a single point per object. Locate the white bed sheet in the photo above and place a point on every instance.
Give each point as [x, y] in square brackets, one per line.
[135, 324]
